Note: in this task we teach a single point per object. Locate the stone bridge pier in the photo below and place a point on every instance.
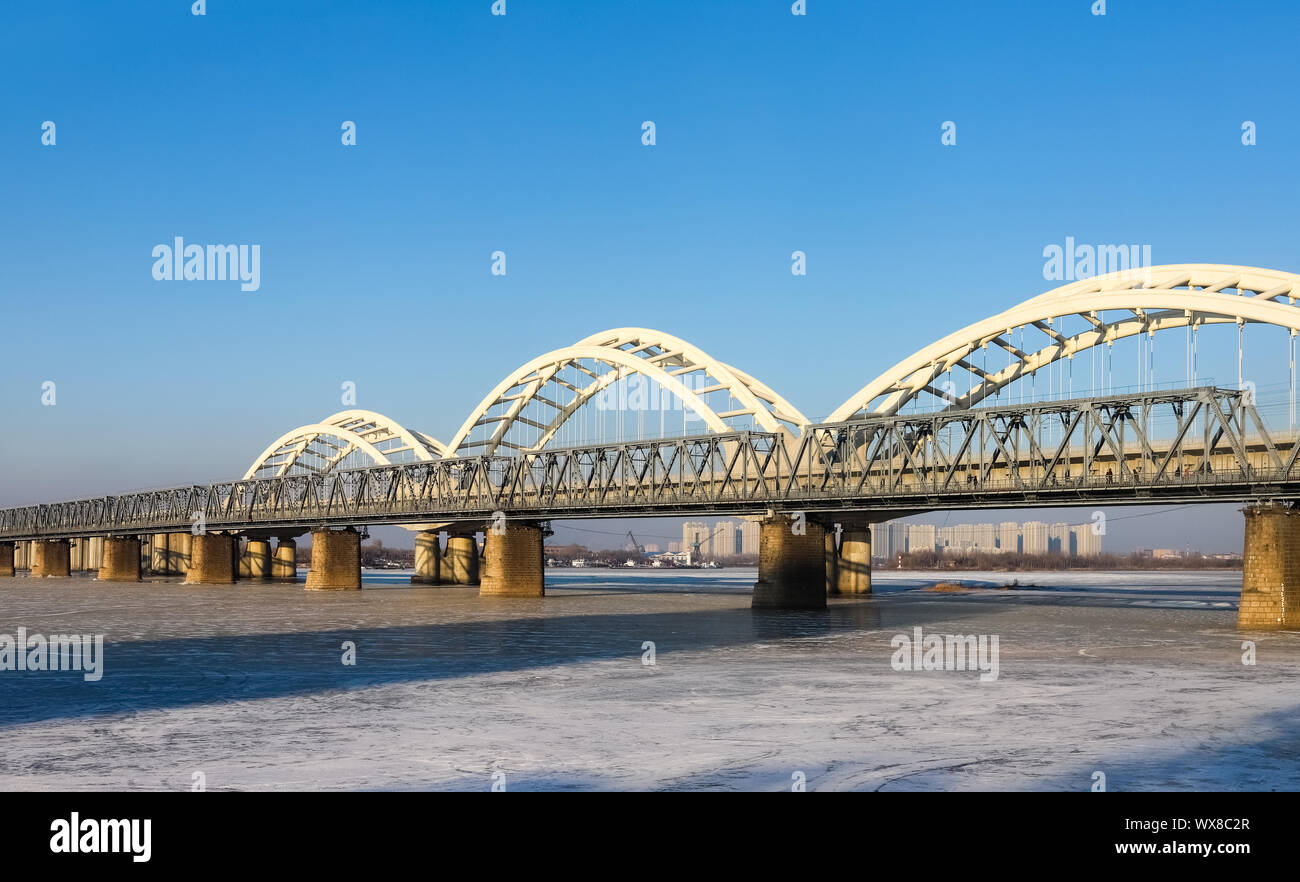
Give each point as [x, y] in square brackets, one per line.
[1270, 572]
[284, 565]
[52, 557]
[6, 559]
[428, 559]
[213, 560]
[513, 562]
[853, 563]
[121, 560]
[335, 560]
[461, 563]
[792, 564]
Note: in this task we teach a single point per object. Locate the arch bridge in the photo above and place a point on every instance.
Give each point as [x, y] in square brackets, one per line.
[941, 429]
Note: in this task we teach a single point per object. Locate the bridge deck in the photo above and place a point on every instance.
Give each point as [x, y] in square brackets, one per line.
[1193, 445]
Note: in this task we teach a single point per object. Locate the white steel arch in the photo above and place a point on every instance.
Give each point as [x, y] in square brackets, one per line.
[546, 383]
[321, 447]
[1139, 301]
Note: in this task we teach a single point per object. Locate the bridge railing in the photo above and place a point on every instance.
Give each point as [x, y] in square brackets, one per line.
[1194, 443]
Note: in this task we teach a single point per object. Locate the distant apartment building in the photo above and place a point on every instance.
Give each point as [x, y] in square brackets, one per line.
[1009, 537]
[723, 539]
[1058, 539]
[697, 538]
[1033, 537]
[1087, 543]
[889, 540]
[921, 537]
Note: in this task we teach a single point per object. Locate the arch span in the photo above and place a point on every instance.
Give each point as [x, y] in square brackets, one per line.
[1111, 307]
[545, 392]
[322, 447]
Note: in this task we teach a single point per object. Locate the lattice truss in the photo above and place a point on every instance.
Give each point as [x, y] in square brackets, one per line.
[348, 439]
[634, 383]
[1191, 445]
[969, 366]
[619, 385]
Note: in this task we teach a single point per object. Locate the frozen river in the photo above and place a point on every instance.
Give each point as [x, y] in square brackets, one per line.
[1136, 675]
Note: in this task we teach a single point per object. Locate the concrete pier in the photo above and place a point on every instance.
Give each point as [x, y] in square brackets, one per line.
[158, 554]
[428, 559]
[461, 560]
[284, 566]
[6, 559]
[854, 570]
[832, 558]
[121, 561]
[258, 555]
[513, 565]
[335, 560]
[791, 565]
[179, 553]
[212, 562]
[93, 553]
[1270, 577]
[52, 558]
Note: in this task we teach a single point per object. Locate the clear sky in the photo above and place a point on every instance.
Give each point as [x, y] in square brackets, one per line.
[522, 133]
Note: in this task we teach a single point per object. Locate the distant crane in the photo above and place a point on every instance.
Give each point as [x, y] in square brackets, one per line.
[640, 549]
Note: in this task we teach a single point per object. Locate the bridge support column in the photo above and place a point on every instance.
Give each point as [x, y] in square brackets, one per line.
[21, 561]
[335, 560]
[258, 555]
[428, 559]
[284, 567]
[212, 561]
[158, 554]
[512, 562]
[832, 564]
[855, 562]
[6, 559]
[52, 558]
[1270, 576]
[462, 559]
[121, 560]
[179, 553]
[96, 552]
[236, 555]
[791, 564]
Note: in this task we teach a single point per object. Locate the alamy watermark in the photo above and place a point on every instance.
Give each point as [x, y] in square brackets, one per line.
[946, 652]
[59, 652]
[1073, 262]
[213, 263]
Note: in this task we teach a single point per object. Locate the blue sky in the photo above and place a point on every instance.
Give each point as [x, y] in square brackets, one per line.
[523, 133]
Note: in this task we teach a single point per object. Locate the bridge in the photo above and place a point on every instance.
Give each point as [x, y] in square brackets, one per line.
[555, 439]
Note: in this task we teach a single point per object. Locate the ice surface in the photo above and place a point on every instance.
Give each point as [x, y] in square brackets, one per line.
[1138, 675]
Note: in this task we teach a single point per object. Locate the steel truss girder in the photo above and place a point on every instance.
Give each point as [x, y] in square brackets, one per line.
[1202, 444]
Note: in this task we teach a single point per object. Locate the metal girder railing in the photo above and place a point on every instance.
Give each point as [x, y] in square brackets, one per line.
[1203, 444]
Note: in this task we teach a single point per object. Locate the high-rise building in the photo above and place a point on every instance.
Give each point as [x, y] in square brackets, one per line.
[888, 540]
[1009, 537]
[921, 537]
[1033, 537]
[1086, 542]
[1058, 539]
[749, 536]
[697, 539]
